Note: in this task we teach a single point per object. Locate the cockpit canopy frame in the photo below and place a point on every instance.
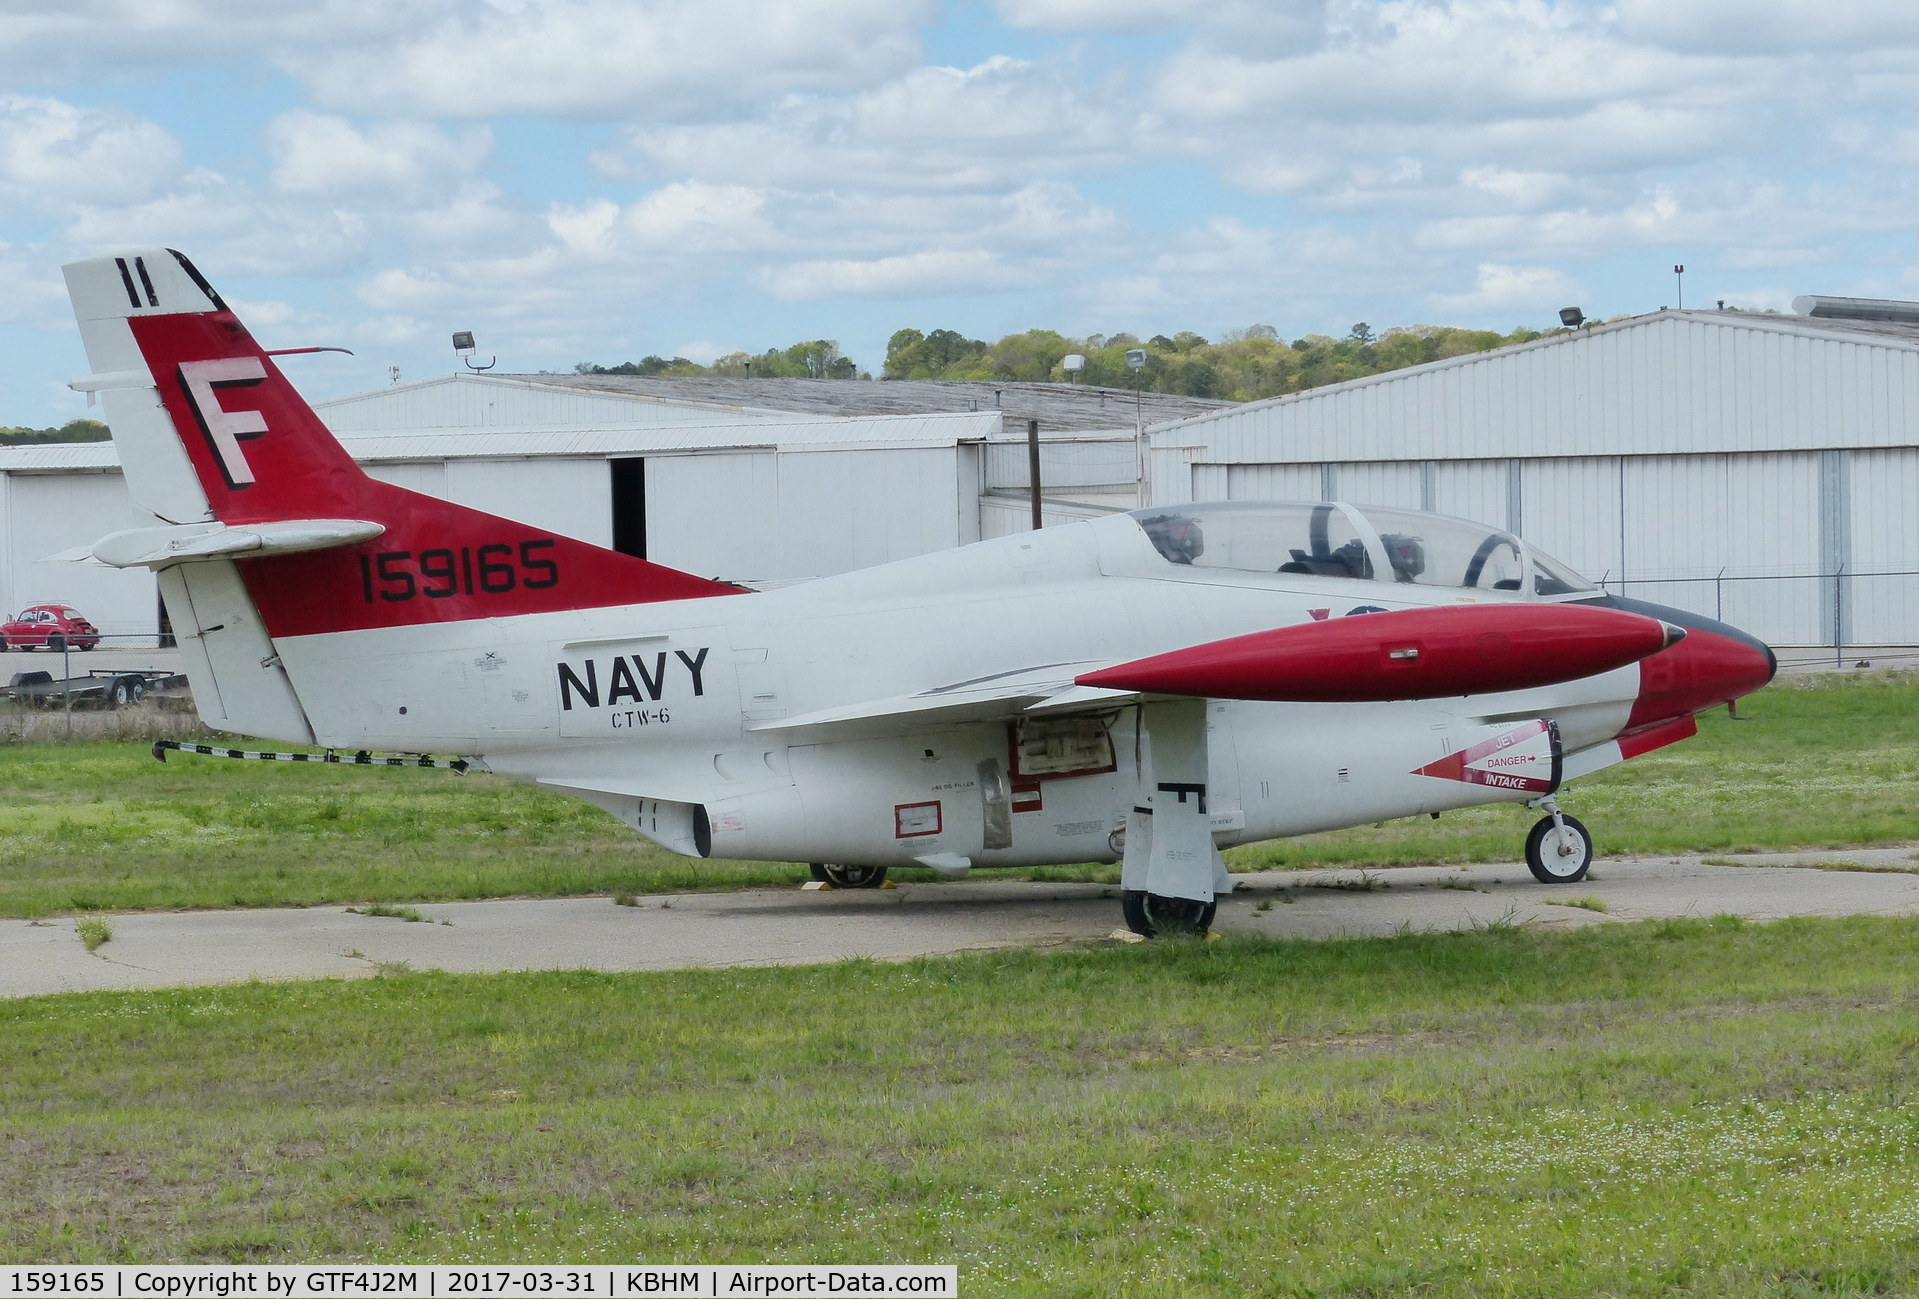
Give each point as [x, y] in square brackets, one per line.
[1369, 543]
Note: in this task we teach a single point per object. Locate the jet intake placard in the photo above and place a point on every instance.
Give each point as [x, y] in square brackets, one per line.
[1523, 757]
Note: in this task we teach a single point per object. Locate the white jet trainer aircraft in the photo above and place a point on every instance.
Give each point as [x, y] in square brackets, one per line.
[1146, 687]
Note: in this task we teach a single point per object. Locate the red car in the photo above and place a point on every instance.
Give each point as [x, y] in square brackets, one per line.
[49, 626]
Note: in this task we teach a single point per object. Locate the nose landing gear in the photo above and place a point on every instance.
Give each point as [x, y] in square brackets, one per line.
[1560, 848]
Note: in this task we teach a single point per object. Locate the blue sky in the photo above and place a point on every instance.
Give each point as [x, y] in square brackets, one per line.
[601, 179]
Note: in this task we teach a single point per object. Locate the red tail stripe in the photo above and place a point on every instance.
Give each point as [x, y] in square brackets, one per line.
[261, 455]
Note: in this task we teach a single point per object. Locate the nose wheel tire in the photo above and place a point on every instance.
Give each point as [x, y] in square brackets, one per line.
[1152, 914]
[1559, 856]
[848, 877]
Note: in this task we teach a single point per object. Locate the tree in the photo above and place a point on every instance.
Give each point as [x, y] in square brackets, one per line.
[1244, 365]
[913, 355]
[74, 430]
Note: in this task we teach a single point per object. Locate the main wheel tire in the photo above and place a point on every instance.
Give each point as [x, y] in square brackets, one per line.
[848, 877]
[119, 694]
[1152, 914]
[1556, 858]
[57, 643]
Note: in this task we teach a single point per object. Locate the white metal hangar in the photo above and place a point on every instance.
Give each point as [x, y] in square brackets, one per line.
[1756, 467]
[765, 480]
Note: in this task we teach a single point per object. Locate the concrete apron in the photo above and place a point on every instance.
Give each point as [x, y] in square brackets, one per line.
[790, 927]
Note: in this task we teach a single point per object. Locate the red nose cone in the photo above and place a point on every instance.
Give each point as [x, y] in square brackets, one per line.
[1700, 672]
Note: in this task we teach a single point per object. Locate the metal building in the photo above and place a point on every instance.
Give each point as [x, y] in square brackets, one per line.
[761, 481]
[1756, 467]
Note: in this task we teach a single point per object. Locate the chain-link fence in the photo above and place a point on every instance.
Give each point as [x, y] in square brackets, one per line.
[1841, 610]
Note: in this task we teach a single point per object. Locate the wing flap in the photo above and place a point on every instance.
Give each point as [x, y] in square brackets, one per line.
[1048, 689]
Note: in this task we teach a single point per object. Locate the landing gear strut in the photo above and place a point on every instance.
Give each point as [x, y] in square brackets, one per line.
[1152, 914]
[848, 877]
[1560, 849]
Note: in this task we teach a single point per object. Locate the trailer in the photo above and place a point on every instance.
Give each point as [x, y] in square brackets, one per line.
[100, 688]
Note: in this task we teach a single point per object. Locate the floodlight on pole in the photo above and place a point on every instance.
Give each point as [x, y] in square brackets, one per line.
[1136, 362]
[464, 348]
[1072, 363]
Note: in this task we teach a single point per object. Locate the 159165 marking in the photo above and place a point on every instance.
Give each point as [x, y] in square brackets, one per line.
[441, 572]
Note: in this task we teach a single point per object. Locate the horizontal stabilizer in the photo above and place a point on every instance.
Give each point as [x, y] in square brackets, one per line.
[182, 542]
[1434, 653]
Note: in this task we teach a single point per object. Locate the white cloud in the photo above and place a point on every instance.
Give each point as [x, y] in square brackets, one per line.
[1227, 270]
[1426, 60]
[428, 59]
[52, 153]
[607, 58]
[1526, 290]
[258, 312]
[987, 127]
[687, 217]
[691, 216]
[1403, 101]
[1090, 15]
[397, 290]
[936, 272]
[1746, 224]
[51, 38]
[30, 285]
[214, 218]
[1769, 26]
[323, 156]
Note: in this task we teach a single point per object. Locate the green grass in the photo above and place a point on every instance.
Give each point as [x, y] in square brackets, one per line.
[101, 826]
[1697, 1107]
[1587, 903]
[93, 931]
[390, 911]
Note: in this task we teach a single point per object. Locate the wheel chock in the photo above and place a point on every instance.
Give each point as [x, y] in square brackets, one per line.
[819, 885]
[888, 884]
[1126, 936]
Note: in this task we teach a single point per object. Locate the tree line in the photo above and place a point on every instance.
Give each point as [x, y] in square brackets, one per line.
[1242, 365]
[819, 358]
[74, 430]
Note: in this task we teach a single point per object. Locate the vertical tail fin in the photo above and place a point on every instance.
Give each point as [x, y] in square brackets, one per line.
[208, 429]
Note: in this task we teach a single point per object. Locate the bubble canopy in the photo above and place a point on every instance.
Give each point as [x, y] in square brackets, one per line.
[1369, 543]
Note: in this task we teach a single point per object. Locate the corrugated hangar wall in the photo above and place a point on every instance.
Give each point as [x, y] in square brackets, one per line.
[1759, 469]
[769, 513]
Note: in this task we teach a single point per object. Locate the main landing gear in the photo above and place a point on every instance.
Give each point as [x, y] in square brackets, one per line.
[1560, 849]
[848, 877]
[1152, 914]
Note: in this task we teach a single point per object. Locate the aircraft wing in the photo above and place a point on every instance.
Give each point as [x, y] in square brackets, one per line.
[1422, 653]
[1048, 688]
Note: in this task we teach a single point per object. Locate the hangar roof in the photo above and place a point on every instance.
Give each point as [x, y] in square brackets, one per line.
[540, 400]
[1668, 382]
[1057, 406]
